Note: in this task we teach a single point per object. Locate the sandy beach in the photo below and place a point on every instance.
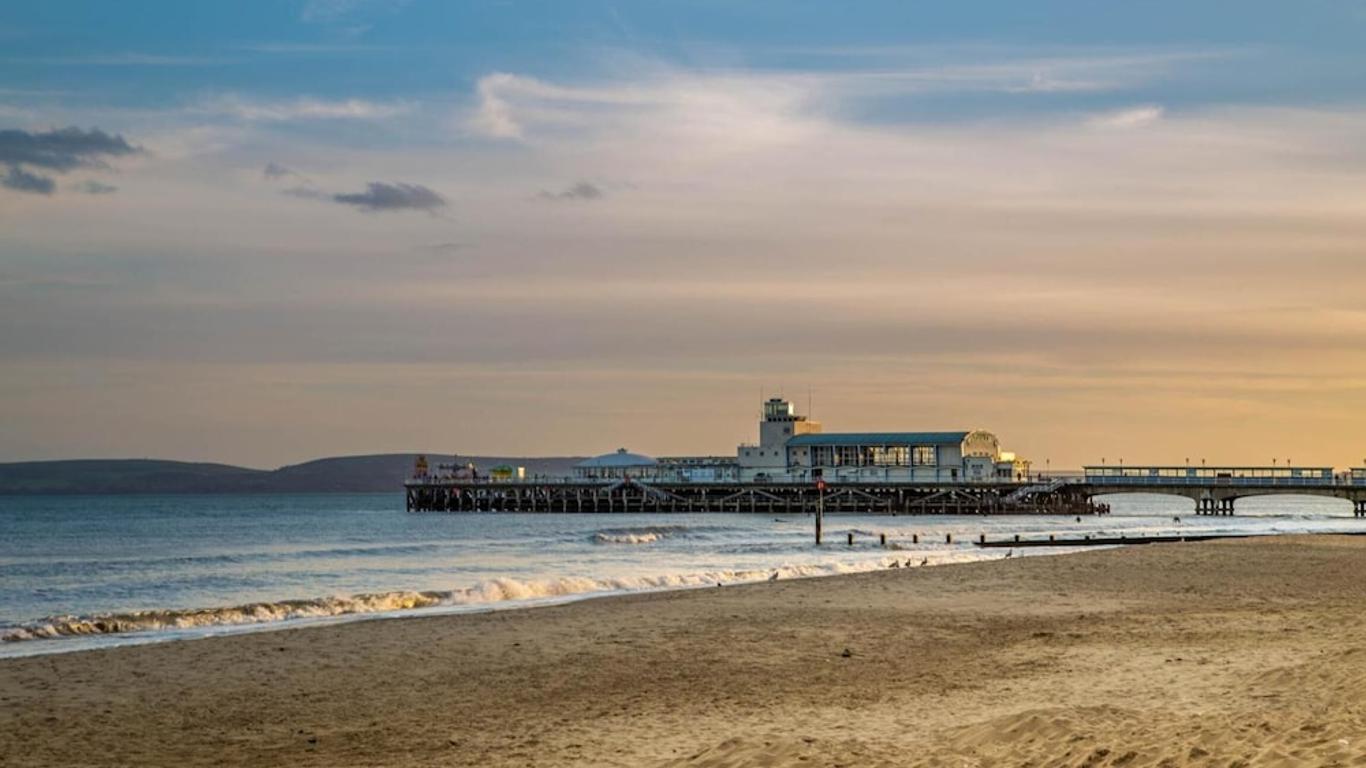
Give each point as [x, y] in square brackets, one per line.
[1226, 653]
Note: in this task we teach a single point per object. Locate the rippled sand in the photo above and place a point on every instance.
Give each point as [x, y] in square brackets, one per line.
[1229, 653]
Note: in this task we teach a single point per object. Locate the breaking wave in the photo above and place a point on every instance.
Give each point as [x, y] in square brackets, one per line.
[487, 593]
[639, 535]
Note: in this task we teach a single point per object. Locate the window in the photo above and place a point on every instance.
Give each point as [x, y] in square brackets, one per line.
[924, 456]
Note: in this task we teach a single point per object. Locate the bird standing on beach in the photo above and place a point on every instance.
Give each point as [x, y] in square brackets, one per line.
[774, 577]
[1009, 554]
[926, 561]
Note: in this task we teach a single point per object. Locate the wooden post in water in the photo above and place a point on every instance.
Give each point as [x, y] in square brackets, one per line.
[851, 538]
[915, 538]
[884, 539]
[820, 507]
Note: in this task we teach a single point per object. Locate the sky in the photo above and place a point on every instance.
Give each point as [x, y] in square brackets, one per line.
[262, 232]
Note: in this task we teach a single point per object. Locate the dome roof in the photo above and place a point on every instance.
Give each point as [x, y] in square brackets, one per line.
[622, 458]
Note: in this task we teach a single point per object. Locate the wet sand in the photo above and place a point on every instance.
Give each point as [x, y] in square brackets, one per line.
[1249, 652]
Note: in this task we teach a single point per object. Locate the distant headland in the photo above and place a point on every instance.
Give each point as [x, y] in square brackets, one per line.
[339, 474]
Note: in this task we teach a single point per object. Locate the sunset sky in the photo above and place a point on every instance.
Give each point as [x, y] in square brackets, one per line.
[264, 232]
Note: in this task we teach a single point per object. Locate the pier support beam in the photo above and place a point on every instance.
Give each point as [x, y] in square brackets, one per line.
[1359, 508]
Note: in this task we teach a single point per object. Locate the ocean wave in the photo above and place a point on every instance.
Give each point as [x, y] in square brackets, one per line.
[253, 613]
[490, 593]
[647, 534]
[43, 566]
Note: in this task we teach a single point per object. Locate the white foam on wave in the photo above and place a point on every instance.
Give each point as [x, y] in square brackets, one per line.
[602, 537]
[492, 593]
[639, 535]
[253, 613]
[487, 593]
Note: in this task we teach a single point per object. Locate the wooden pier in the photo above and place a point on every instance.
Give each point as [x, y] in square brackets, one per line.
[634, 496]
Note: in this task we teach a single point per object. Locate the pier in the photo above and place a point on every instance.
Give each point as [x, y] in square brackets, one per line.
[797, 467]
[1213, 491]
[637, 496]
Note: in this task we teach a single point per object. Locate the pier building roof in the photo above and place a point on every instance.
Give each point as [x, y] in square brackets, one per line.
[879, 438]
[620, 458]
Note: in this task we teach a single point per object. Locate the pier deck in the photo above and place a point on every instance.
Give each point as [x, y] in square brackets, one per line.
[768, 498]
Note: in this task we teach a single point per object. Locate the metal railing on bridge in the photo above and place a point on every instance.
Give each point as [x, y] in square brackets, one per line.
[1234, 476]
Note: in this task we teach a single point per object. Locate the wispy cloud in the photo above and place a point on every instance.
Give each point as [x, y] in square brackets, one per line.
[511, 106]
[289, 48]
[274, 170]
[380, 196]
[131, 59]
[343, 15]
[450, 247]
[302, 108]
[582, 190]
[93, 187]
[1134, 117]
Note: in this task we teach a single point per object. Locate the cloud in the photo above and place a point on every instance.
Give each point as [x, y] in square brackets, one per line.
[61, 149]
[93, 187]
[306, 193]
[58, 150]
[303, 108]
[379, 196]
[22, 181]
[507, 102]
[274, 170]
[334, 11]
[135, 59]
[582, 190]
[451, 247]
[1134, 117]
[295, 48]
[519, 107]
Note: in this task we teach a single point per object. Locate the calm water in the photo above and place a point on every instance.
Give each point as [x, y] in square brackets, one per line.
[80, 572]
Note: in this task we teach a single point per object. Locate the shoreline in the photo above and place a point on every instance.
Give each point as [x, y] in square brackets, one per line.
[1243, 650]
[62, 634]
[101, 640]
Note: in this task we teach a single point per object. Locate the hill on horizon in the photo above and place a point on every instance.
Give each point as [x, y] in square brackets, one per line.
[338, 474]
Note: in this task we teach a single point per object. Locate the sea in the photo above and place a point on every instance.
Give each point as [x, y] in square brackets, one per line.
[81, 572]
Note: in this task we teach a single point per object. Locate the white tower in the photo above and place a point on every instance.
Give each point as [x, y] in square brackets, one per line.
[769, 458]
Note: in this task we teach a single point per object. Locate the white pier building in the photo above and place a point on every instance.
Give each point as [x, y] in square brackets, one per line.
[793, 448]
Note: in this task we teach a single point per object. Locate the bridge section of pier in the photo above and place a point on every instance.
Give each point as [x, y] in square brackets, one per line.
[1216, 490]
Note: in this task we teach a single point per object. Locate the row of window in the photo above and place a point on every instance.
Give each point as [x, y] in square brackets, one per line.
[874, 456]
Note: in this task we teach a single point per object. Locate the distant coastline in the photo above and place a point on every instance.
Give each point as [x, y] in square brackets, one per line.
[340, 474]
